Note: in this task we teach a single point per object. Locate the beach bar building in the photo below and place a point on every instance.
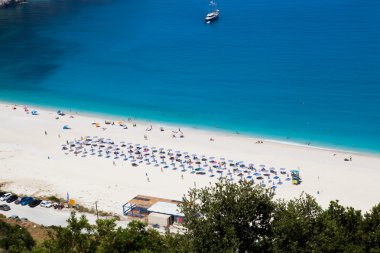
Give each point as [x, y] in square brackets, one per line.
[163, 212]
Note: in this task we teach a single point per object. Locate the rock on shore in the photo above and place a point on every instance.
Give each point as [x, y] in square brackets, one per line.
[8, 3]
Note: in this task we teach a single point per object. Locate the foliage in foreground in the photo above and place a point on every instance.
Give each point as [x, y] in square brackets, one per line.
[80, 236]
[14, 238]
[232, 217]
[244, 218]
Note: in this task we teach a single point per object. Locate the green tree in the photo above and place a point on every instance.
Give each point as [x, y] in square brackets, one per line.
[177, 243]
[104, 237]
[339, 229]
[228, 217]
[106, 234]
[14, 238]
[371, 230]
[295, 225]
[76, 237]
[138, 238]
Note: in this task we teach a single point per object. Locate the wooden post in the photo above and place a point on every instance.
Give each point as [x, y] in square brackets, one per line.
[96, 208]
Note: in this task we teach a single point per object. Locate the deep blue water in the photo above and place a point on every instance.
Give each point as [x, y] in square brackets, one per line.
[296, 70]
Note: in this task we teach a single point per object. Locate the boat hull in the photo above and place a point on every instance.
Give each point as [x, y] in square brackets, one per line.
[211, 19]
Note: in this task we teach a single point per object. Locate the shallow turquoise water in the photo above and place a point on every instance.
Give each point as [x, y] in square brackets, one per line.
[302, 71]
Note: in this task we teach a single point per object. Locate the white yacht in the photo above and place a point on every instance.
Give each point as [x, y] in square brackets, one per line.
[214, 14]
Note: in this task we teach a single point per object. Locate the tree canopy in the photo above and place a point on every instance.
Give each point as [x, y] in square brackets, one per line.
[14, 238]
[230, 217]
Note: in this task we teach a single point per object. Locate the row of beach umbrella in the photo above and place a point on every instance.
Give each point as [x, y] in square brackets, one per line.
[175, 160]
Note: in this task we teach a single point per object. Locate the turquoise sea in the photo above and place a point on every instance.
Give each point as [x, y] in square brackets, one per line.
[294, 70]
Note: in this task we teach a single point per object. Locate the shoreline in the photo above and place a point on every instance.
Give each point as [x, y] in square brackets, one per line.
[214, 130]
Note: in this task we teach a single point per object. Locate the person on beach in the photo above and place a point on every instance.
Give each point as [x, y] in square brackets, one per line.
[114, 164]
[45, 132]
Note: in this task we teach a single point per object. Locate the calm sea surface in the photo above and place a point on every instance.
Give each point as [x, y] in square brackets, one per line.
[294, 70]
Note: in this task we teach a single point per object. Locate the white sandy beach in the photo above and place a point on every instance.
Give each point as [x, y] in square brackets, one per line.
[25, 167]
